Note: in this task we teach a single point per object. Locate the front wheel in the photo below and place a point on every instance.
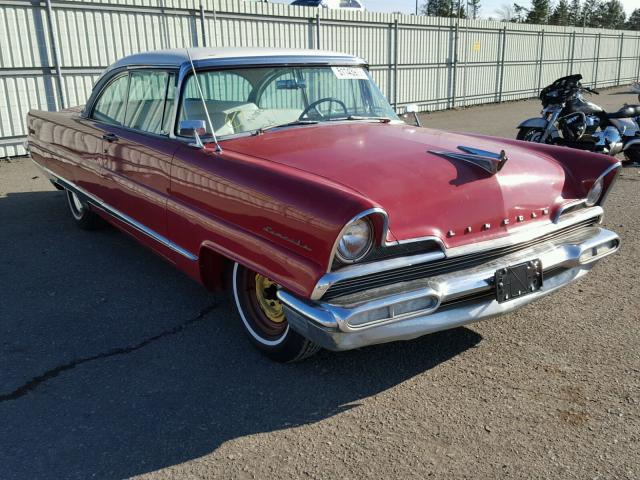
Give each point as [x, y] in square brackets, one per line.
[263, 317]
[633, 154]
[530, 134]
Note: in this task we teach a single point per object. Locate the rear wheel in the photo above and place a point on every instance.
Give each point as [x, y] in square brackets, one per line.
[530, 134]
[263, 317]
[83, 216]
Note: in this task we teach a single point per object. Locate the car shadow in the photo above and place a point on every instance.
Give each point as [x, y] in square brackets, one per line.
[115, 364]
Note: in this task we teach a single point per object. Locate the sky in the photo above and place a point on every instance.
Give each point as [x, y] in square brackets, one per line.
[487, 10]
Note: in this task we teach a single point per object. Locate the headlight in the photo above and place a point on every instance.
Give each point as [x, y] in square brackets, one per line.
[595, 193]
[356, 241]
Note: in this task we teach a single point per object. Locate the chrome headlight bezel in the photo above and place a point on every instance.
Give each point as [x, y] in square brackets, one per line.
[595, 193]
[363, 227]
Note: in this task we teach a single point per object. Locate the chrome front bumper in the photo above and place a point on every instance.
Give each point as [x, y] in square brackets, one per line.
[408, 310]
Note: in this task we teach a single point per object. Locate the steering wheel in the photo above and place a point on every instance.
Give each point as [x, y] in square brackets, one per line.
[314, 106]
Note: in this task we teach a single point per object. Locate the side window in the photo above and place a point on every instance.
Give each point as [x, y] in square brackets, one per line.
[112, 103]
[146, 103]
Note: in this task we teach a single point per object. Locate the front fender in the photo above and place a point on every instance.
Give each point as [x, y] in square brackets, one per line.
[536, 122]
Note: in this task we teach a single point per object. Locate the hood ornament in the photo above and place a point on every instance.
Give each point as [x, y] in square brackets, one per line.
[489, 161]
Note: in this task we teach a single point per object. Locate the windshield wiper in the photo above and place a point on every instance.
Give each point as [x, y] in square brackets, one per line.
[359, 117]
[289, 124]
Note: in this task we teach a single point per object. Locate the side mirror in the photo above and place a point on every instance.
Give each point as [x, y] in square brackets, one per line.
[413, 108]
[193, 128]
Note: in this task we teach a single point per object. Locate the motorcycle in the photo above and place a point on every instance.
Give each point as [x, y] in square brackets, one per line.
[569, 119]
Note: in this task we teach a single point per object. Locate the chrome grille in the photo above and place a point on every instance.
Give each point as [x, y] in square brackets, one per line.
[445, 265]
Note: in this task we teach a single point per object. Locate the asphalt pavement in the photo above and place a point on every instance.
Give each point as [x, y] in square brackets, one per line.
[114, 365]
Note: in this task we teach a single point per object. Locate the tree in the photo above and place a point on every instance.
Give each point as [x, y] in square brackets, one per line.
[505, 13]
[437, 8]
[539, 12]
[574, 13]
[634, 20]
[560, 15]
[611, 15]
[589, 16]
[443, 8]
[473, 7]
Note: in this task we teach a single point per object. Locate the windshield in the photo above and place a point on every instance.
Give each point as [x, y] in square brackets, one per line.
[253, 99]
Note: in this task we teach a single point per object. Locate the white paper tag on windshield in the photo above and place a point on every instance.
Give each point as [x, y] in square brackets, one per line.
[350, 73]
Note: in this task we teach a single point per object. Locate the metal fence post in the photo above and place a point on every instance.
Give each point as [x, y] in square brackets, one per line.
[541, 60]
[638, 57]
[620, 58]
[215, 25]
[56, 54]
[395, 64]
[454, 66]
[573, 53]
[202, 26]
[597, 60]
[317, 31]
[504, 47]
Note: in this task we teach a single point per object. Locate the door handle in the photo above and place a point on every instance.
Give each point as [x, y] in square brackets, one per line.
[110, 137]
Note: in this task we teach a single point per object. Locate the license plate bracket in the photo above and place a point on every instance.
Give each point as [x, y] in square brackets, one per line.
[518, 280]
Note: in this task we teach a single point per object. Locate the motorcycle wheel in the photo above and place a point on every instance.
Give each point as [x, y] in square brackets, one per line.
[633, 154]
[530, 134]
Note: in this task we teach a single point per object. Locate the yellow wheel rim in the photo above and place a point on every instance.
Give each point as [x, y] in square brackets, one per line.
[269, 303]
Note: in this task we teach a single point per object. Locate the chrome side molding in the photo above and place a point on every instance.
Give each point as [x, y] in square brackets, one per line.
[118, 215]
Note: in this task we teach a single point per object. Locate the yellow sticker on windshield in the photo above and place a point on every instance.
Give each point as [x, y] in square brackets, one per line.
[350, 73]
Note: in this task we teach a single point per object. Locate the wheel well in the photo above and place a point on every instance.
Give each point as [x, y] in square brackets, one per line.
[214, 269]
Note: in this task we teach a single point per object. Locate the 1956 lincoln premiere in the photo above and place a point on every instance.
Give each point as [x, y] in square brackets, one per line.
[287, 177]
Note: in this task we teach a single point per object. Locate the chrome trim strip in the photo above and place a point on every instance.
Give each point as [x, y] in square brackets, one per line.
[280, 60]
[359, 270]
[329, 321]
[117, 214]
[517, 234]
[616, 166]
[567, 206]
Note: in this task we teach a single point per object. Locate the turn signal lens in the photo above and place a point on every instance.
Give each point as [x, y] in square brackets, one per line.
[356, 241]
[595, 193]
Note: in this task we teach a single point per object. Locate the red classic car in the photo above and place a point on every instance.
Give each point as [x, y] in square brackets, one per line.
[288, 177]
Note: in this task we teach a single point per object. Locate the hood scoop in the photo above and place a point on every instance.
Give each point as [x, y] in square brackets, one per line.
[488, 161]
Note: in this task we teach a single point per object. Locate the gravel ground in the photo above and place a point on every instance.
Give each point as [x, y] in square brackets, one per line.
[116, 365]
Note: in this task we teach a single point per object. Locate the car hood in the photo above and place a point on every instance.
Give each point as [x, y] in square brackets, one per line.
[424, 194]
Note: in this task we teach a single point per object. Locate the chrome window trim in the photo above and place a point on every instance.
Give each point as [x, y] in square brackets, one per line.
[109, 75]
[117, 214]
[185, 72]
[518, 234]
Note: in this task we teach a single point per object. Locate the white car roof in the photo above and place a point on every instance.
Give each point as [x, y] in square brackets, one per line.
[236, 56]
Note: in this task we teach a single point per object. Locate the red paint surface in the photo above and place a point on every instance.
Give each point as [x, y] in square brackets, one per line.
[276, 202]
